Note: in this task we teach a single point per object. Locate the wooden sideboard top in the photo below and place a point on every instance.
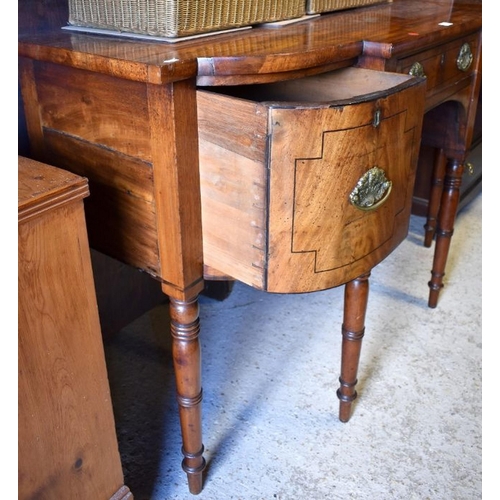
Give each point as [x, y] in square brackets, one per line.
[42, 187]
[388, 30]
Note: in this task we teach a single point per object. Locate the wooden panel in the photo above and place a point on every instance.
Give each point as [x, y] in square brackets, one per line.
[121, 203]
[324, 220]
[97, 108]
[66, 435]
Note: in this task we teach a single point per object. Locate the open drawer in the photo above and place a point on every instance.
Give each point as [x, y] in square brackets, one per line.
[307, 184]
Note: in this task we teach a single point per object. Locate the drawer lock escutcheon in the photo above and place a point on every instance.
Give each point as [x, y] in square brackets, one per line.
[371, 191]
[464, 59]
[417, 69]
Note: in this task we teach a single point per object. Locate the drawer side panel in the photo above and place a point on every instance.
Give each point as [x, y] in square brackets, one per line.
[233, 213]
[232, 145]
[237, 125]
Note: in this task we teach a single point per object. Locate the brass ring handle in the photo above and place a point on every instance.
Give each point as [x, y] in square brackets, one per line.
[417, 69]
[371, 191]
[465, 57]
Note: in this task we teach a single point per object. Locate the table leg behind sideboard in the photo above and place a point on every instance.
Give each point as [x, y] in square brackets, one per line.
[447, 215]
[438, 173]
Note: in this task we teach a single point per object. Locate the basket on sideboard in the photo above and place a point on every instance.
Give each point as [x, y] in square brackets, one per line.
[179, 18]
[320, 6]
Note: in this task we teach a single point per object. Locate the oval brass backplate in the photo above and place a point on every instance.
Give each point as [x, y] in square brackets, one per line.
[372, 190]
[465, 57]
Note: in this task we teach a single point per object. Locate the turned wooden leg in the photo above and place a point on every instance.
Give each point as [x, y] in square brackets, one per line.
[448, 211]
[353, 330]
[438, 173]
[185, 329]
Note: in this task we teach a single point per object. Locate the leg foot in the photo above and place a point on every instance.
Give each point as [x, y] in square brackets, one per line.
[185, 330]
[195, 483]
[353, 329]
[194, 474]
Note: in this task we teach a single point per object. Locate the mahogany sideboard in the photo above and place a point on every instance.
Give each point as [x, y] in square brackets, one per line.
[67, 439]
[124, 113]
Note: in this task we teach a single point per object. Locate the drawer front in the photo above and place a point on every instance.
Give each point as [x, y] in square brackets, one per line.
[284, 178]
[444, 65]
[319, 236]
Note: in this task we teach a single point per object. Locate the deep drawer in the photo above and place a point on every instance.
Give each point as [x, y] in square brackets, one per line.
[285, 170]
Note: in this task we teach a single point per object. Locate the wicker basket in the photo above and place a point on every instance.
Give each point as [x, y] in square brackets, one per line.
[319, 6]
[177, 18]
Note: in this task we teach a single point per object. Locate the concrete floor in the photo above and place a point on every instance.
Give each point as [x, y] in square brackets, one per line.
[270, 373]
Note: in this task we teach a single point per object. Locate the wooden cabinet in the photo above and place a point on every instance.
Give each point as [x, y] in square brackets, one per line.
[124, 114]
[307, 184]
[67, 440]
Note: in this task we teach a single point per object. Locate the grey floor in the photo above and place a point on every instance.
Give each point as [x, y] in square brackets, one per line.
[270, 370]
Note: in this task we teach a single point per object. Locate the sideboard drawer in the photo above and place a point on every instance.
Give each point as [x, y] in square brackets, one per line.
[286, 169]
[444, 65]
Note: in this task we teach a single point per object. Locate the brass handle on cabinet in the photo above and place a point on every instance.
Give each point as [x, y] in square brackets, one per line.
[371, 191]
[417, 69]
[464, 59]
[470, 168]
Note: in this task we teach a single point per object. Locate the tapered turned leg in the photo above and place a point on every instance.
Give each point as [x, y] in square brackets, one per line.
[438, 172]
[353, 330]
[185, 329]
[444, 232]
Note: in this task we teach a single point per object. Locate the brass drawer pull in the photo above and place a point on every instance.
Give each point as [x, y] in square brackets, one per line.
[464, 59]
[371, 191]
[470, 168]
[417, 69]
